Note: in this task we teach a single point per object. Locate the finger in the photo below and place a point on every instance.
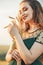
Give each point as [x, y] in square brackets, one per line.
[16, 57]
[13, 22]
[15, 53]
[7, 26]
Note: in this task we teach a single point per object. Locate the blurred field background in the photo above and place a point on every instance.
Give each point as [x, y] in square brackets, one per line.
[3, 51]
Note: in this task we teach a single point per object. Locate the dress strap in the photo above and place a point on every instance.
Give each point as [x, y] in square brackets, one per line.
[38, 35]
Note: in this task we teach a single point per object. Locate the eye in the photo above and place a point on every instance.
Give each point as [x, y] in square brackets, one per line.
[25, 9]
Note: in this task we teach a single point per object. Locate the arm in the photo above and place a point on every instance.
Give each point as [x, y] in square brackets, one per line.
[10, 51]
[28, 56]
[13, 53]
[9, 54]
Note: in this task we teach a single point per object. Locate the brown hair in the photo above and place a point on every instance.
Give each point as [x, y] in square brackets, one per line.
[37, 11]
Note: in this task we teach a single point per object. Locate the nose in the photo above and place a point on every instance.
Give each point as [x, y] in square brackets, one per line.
[23, 13]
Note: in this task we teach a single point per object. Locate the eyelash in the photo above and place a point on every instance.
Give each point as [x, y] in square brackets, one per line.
[24, 9]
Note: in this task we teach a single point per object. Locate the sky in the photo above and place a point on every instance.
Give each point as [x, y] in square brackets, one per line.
[7, 8]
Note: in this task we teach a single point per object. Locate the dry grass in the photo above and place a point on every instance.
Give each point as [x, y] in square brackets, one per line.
[3, 63]
[3, 48]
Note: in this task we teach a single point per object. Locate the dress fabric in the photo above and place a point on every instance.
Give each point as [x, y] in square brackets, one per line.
[29, 42]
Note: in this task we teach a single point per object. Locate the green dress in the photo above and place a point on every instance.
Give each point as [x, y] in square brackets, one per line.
[29, 42]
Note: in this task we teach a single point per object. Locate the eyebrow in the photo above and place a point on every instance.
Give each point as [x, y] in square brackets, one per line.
[23, 7]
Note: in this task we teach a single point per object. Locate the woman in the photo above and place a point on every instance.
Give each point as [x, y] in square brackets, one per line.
[29, 45]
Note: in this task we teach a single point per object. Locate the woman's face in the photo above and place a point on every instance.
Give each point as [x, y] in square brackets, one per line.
[25, 12]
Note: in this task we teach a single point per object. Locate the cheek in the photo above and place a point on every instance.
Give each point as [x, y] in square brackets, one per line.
[30, 15]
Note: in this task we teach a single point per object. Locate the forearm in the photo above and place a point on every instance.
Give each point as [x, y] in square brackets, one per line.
[8, 57]
[24, 52]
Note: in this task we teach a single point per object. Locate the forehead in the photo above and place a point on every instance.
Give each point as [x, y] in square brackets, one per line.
[23, 4]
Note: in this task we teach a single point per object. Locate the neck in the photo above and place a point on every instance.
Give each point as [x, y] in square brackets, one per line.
[33, 26]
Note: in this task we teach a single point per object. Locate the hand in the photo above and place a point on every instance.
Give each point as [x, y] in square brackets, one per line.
[12, 29]
[16, 55]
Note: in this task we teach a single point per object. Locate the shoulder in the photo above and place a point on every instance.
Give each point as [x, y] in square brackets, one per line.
[40, 37]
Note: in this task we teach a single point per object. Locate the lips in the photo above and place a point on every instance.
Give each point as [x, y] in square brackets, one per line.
[24, 17]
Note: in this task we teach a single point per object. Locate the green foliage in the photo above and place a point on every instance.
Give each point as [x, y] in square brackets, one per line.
[2, 56]
[3, 51]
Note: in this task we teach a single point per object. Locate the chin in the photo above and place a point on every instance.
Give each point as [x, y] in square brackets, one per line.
[26, 21]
